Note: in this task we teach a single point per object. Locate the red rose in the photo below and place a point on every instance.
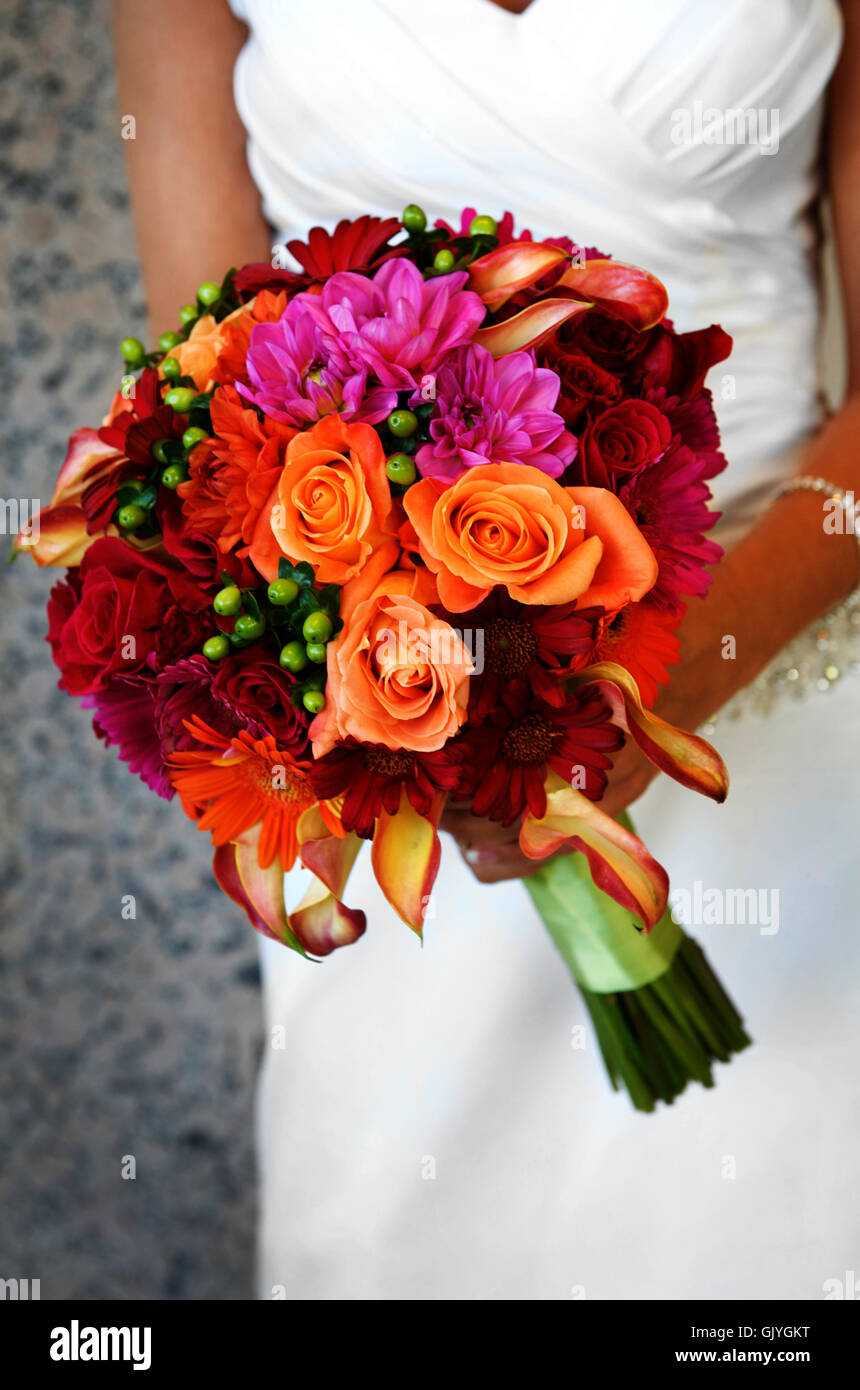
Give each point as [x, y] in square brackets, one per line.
[583, 382]
[608, 341]
[681, 361]
[258, 692]
[105, 620]
[620, 442]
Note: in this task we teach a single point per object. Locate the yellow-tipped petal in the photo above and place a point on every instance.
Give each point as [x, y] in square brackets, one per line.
[501, 273]
[526, 328]
[688, 758]
[405, 855]
[57, 536]
[619, 862]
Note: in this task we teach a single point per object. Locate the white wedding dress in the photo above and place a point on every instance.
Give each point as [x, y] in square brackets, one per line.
[428, 1125]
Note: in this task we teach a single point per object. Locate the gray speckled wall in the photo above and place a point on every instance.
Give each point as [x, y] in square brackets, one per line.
[116, 1037]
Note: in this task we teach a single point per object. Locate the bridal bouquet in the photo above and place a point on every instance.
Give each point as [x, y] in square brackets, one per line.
[411, 523]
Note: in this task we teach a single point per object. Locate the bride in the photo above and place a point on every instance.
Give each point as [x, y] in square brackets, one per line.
[436, 1123]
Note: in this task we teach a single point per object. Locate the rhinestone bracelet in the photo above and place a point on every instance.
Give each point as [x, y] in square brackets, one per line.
[825, 652]
[805, 482]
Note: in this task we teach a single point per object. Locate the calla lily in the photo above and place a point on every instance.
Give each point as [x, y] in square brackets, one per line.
[619, 862]
[59, 534]
[501, 273]
[626, 291]
[329, 852]
[529, 326]
[686, 757]
[405, 856]
[259, 892]
[316, 927]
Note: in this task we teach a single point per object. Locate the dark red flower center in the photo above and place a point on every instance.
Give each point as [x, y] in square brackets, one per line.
[385, 762]
[511, 646]
[530, 740]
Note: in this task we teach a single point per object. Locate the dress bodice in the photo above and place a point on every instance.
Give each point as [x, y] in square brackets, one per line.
[682, 135]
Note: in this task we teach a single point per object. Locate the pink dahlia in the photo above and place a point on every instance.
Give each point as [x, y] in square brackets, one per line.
[397, 326]
[494, 410]
[298, 373]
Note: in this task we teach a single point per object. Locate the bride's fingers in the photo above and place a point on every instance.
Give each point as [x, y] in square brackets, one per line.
[473, 830]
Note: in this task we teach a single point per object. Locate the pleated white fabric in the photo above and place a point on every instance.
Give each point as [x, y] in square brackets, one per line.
[428, 1126]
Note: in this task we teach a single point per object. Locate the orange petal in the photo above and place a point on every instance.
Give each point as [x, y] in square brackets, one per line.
[58, 537]
[628, 567]
[405, 856]
[619, 862]
[526, 328]
[566, 579]
[686, 757]
[499, 274]
[327, 855]
[629, 293]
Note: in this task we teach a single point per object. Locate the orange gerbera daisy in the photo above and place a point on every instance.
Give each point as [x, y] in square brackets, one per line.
[642, 638]
[234, 784]
[232, 475]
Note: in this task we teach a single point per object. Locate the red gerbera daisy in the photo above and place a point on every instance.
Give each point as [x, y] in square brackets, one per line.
[361, 245]
[505, 761]
[524, 641]
[371, 777]
[641, 638]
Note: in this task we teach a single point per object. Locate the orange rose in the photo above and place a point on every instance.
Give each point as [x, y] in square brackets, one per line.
[198, 354]
[397, 675]
[510, 524]
[332, 504]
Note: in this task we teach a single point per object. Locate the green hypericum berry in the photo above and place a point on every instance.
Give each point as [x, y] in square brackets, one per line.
[414, 218]
[228, 601]
[130, 517]
[132, 350]
[313, 701]
[132, 485]
[400, 469]
[192, 436]
[168, 340]
[443, 261]
[170, 368]
[179, 398]
[293, 657]
[402, 423]
[188, 314]
[317, 627]
[208, 292]
[316, 652]
[282, 592]
[483, 226]
[248, 628]
[216, 648]
[173, 475]
[158, 451]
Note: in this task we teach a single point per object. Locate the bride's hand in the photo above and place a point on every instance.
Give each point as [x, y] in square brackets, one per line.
[492, 851]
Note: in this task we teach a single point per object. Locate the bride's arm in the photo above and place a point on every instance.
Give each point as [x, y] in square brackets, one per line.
[196, 208]
[788, 570]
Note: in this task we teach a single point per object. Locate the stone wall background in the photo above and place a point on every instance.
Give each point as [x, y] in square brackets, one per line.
[116, 1037]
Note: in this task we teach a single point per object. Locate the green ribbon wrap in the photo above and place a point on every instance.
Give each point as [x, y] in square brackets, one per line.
[661, 1016]
[604, 945]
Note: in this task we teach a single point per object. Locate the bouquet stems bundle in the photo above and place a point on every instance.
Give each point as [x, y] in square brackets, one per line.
[660, 1014]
